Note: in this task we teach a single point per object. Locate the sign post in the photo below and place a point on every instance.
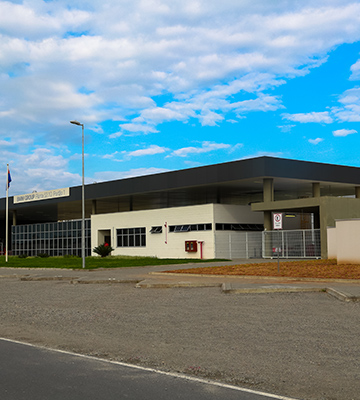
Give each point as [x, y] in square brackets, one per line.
[278, 225]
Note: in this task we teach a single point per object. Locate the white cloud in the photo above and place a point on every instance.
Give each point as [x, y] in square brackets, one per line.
[153, 149]
[286, 128]
[315, 141]
[349, 111]
[205, 148]
[39, 170]
[317, 117]
[135, 128]
[344, 132]
[355, 71]
[125, 54]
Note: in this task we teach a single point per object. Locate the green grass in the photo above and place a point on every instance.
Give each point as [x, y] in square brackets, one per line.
[92, 262]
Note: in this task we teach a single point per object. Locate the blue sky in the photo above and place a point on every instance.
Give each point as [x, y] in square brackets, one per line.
[166, 85]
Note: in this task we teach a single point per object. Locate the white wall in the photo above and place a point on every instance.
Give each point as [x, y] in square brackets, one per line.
[347, 241]
[228, 213]
[172, 244]
[163, 245]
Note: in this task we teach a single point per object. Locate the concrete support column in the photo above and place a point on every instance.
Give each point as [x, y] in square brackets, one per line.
[14, 218]
[268, 190]
[93, 207]
[267, 221]
[316, 189]
[357, 192]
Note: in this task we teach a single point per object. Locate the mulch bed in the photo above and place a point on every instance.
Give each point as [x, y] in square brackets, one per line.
[320, 269]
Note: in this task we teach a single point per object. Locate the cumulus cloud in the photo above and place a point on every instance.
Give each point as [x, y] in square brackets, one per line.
[355, 71]
[126, 54]
[153, 149]
[206, 147]
[349, 111]
[317, 117]
[344, 132]
[315, 141]
[39, 170]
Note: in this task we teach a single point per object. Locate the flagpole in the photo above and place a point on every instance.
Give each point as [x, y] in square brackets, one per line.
[7, 213]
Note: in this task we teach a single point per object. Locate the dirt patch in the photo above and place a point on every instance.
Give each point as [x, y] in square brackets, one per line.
[318, 269]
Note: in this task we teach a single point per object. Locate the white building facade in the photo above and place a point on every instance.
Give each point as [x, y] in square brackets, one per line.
[200, 231]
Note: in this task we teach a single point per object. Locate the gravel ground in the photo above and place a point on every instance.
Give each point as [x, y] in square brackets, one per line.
[302, 345]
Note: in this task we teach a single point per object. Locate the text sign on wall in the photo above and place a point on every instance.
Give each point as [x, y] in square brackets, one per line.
[48, 194]
[277, 220]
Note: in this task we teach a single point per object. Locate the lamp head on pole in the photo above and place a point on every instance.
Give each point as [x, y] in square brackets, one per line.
[76, 123]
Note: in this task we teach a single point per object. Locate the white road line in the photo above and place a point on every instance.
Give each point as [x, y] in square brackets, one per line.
[173, 374]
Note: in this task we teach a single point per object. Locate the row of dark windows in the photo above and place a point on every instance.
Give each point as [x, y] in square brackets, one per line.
[131, 237]
[50, 235]
[239, 227]
[189, 228]
[208, 227]
[53, 238]
[51, 226]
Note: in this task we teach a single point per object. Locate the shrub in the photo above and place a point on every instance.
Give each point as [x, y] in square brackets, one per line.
[103, 250]
[43, 255]
[71, 256]
[22, 255]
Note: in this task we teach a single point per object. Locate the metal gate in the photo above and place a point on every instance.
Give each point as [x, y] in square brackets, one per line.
[238, 245]
[304, 243]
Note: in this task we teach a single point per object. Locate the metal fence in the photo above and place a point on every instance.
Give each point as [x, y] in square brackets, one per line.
[238, 245]
[269, 244]
[304, 243]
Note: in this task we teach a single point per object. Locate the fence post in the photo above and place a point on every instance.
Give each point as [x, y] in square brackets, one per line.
[304, 244]
[230, 246]
[246, 245]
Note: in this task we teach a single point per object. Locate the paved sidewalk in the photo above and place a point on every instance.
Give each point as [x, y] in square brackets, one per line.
[155, 277]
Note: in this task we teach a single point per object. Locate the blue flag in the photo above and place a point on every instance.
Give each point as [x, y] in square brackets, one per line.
[8, 179]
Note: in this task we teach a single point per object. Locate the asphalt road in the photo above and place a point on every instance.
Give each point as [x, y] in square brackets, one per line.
[29, 372]
[303, 345]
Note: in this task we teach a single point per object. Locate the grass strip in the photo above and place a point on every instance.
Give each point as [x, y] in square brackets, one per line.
[92, 262]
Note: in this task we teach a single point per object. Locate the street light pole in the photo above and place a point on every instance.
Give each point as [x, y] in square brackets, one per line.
[82, 197]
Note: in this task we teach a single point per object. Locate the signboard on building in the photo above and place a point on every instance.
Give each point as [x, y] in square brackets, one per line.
[47, 195]
[277, 220]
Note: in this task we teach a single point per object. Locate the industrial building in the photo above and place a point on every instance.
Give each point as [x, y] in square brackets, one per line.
[217, 211]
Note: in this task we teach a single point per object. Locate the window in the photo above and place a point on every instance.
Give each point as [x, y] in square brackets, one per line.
[156, 229]
[239, 227]
[188, 228]
[46, 238]
[131, 237]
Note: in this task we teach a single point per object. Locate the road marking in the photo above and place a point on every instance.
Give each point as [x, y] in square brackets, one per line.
[173, 374]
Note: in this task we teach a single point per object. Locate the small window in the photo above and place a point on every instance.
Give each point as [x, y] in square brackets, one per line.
[182, 228]
[156, 229]
[239, 227]
[187, 228]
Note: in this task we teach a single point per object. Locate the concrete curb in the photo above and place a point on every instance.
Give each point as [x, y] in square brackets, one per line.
[342, 295]
[47, 278]
[285, 278]
[104, 281]
[228, 288]
[146, 285]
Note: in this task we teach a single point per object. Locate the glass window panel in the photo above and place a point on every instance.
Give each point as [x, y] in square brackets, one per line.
[131, 241]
